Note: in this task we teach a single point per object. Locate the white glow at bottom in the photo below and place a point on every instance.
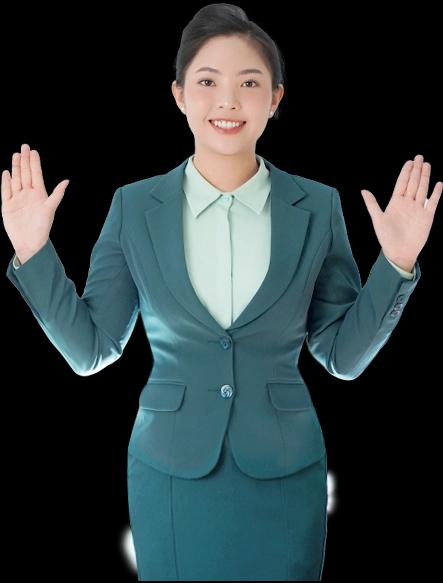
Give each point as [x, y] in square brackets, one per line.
[127, 549]
[332, 503]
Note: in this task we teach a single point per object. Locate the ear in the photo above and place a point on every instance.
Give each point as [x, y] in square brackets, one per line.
[178, 94]
[278, 95]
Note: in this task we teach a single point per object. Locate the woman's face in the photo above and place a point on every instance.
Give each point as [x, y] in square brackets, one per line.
[229, 94]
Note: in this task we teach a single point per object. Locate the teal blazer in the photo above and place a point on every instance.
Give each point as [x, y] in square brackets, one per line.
[207, 380]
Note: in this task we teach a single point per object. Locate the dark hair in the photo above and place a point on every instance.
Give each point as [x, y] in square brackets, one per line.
[227, 19]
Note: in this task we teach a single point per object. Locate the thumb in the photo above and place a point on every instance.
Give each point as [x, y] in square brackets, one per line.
[56, 197]
[371, 203]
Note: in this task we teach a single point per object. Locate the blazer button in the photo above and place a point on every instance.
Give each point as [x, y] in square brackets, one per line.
[400, 298]
[226, 391]
[225, 343]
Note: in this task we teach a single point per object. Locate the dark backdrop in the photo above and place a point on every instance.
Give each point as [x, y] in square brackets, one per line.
[91, 92]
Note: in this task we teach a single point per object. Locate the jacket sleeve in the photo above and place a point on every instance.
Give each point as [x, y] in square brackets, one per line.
[90, 331]
[407, 274]
[348, 324]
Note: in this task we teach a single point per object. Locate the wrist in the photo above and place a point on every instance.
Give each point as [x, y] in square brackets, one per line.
[406, 264]
[24, 254]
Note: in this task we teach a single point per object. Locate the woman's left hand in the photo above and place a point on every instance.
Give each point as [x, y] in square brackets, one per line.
[403, 228]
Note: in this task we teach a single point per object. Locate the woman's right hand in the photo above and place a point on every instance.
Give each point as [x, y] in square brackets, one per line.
[27, 210]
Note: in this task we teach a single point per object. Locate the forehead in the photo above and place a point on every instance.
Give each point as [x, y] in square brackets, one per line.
[223, 54]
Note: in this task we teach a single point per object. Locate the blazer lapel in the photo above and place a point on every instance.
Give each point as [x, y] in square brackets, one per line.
[289, 226]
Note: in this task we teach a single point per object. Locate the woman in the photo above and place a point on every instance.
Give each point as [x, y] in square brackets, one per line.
[232, 263]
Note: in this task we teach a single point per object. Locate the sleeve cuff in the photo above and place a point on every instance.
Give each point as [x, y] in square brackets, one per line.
[16, 262]
[407, 274]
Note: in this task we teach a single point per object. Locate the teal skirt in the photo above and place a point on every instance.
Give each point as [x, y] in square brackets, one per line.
[228, 526]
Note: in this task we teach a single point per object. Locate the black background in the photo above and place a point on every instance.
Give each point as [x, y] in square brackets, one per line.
[92, 93]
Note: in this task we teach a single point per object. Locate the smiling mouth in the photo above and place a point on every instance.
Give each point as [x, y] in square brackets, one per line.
[227, 131]
[239, 121]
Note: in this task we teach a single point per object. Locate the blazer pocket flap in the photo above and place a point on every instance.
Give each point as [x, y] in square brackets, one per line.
[162, 395]
[289, 395]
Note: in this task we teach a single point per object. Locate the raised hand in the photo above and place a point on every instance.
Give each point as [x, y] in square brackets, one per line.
[403, 227]
[27, 210]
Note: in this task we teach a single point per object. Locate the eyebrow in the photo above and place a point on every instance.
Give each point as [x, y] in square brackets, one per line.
[243, 72]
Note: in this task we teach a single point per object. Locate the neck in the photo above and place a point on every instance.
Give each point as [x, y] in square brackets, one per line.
[226, 172]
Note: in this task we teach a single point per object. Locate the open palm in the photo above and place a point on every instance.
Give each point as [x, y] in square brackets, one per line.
[403, 227]
[27, 210]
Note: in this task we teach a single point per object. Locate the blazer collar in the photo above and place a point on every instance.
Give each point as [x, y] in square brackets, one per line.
[289, 225]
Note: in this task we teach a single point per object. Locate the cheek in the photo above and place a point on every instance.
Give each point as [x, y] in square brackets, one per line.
[198, 96]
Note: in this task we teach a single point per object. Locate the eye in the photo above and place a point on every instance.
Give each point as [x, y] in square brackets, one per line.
[249, 81]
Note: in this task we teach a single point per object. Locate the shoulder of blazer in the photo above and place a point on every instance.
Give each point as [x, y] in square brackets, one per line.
[134, 194]
[140, 186]
[311, 186]
[136, 198]
[319, 195]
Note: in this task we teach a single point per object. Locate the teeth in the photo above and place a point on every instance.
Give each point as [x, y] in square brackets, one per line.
[226, 125]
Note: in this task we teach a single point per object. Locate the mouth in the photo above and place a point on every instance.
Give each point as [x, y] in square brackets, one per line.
[227, 131]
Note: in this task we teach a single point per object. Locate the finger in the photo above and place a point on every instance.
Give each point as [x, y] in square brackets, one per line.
[6, 186]
[371, 204]
[25, 168]
[16, 183]
[414, 179]
[403, 179]
[423, 186]
[36, 170]
[433, 200]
